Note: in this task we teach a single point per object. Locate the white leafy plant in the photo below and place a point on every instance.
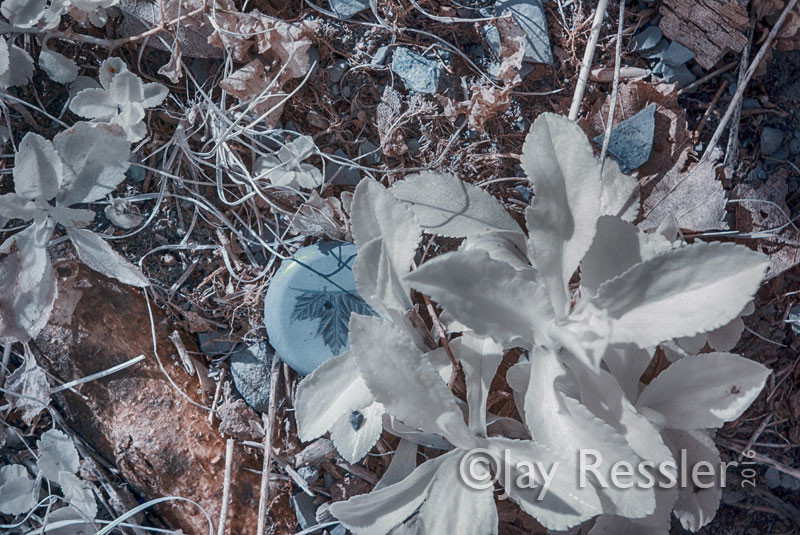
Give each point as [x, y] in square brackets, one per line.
[579, 388]
[121, 99]
[58, 463]
[46, 14]
[286, 168]
[81, 164]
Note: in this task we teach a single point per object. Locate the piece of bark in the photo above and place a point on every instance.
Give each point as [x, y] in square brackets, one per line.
[709, 28]
[162, 444]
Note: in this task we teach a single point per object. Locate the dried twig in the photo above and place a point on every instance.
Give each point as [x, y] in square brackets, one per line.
[737, 97]
[588, 56]
[615, 85]
[268, 421]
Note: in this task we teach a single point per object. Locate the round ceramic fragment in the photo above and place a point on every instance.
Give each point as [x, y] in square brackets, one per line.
[308, 304]
[250, 369]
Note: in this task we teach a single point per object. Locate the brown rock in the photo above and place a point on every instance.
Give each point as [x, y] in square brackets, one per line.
[162, 444]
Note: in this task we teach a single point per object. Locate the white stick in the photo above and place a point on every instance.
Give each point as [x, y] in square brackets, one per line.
[226, 487]
[588, 56]
[614, 86]
[750, 72]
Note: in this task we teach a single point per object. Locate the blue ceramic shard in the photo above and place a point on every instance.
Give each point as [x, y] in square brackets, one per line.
[308, 304]
[419, 73]
[632, 139]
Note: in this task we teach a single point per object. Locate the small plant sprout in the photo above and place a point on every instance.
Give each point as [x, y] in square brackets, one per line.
[80, 165]
[57, 462]
[588, 339]
[121, 99]
[286, 167]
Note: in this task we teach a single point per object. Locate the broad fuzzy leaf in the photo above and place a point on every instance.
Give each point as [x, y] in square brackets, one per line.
[399, 376]
[98, 255]
[4, 61]
[13, 206]
[30, 283]
[57, 454]
[404, 461]
[696, 506]
[78, 494]
[602, 394]
[38, 169]
[386, 233]
[98, 156]
[558, 160]
[503, 246]
[448, 206]
[616, 525]
[490, 297]
[16, 490]
[379, 511]
[627, 363]
[454, 507]
[29, 380]
[480, 357]
[682, 292]
[23, 67]
[59, 68]
[619, 194]
[565, 504]
[109, 69]
[23, 13]
[565, 425]
[331, 391]
[617, 247]
[356, 432]
[93, 103]
[704, 391]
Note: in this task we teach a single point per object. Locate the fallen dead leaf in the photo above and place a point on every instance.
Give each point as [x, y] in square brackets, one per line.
[763, 210]
[670, 183]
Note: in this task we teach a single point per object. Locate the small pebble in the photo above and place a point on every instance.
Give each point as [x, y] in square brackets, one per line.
[337, 70]
[347, 8]
[632, 139]
[677, 54]
[419, 73]
[250, 369]
[771, 139]
[647, 39]
[794, 146]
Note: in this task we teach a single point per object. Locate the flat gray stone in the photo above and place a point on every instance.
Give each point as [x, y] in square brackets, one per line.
[304, 509]
[371, 150]
[419, 73]
[793, 319]
[342, 175]
[647, 39]
[632, 139]
[680, 74]
[215, 343]
[379, 58]
[347, 8]
[677, 54]
[250, 369]
[530, 16]
[771, 139]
